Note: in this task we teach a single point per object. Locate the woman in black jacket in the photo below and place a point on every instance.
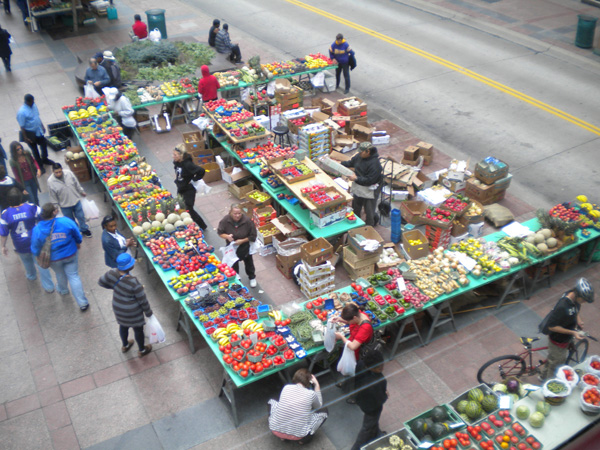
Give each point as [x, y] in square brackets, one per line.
[366, 181]
[186, 172]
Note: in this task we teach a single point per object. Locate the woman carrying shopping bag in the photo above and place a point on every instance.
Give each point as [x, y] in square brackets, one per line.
[129, 303]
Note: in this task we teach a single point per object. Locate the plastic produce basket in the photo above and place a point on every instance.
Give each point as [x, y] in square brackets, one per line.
[464, 396]
[453, 417]
[384, 441]
[64, 143]
[61, 130]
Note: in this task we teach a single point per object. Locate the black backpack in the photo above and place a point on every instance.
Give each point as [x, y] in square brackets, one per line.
[375, 344]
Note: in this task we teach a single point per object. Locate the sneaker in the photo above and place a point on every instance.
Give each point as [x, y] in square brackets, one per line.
[49, 291]
[84, 307]
[346, 91]
[127, 347]
[253, 282]
[540, 378]
[147, 349]
[87, 233]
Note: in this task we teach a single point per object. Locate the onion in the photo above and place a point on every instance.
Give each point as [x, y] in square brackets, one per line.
[512, 386]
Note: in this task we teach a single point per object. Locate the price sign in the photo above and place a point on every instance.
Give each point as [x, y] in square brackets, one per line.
[401, 284]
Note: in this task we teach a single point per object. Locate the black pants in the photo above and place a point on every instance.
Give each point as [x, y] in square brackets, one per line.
[338, 71]
[236, 54]
[7, 6]
[369, 430]
[243, 253]
[358, 203]
[6, 61]
[138, 333]
[41, 158]
[189, 197]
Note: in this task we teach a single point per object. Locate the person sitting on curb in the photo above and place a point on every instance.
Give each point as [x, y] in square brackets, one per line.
[212, 33]
[223, 45]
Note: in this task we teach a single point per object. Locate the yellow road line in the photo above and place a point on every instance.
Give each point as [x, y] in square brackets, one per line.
[462, 70]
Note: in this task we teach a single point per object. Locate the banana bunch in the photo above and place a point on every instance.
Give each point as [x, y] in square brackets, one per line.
[252, 325]
[116, 180]
[222, 335]
[276, 315]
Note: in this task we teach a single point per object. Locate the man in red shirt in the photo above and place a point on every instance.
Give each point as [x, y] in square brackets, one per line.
[139, 28]
[208, 85]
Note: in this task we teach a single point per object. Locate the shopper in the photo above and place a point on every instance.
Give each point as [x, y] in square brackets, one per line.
[26, 170]
[6, 184]
[208, 85]
[18, 220]
[237, 227]
[366, 181]
[5, 50]
[223, 45]
[96, 76]
[129, 303]
[125, 113]
[7, 6]
[212, 33]
[32, 131]
[186, 172]
[66, 240]
[22, 4]
[563, 324]
[113, 242]
[66, 192]
[3, 156]
[140, 30]
[340, 52]
[113, 69]
[293, 417]
[372, 394]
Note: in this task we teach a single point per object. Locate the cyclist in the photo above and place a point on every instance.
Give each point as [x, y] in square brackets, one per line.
[563, 323]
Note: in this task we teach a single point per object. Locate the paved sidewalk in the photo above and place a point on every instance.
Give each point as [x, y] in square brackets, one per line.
[64, 382]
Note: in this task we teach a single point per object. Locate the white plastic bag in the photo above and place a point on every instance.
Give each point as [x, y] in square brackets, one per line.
[329, 338]
[587, 365]
[271, 89]
[202, 123]
[89, 91]
[255, 247]
[154, 330]
[230, 256]
[155, 35]
[562, 375]
[201, 187]
[90, 210]
[318, 80]
[586, 407]
[347, 364]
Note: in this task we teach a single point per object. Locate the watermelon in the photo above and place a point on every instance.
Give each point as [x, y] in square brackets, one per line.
[438, 431]
[473, 410]
[417, 428]
[439, 414]
[475, 395]
[489, 403]
[461, 406]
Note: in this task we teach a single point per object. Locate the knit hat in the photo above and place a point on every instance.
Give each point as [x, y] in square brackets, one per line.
[125, 261]
[108, 55]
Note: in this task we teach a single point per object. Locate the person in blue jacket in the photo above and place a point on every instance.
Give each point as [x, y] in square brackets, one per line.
[66, 240]
[96, 76]
[340, 51]
[113, 242]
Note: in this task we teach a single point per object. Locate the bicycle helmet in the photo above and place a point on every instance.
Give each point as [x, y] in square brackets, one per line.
[584, 289]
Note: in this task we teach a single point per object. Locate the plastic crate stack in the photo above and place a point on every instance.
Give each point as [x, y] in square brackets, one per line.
[315, 139]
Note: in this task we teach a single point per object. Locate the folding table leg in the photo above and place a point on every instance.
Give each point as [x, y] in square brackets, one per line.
[183, 321]
[436, 318]
[228, 390]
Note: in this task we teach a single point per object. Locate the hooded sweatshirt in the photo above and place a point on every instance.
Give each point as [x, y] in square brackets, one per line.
[340, 52]
[65, 237]
[208, 85]
[368, 171]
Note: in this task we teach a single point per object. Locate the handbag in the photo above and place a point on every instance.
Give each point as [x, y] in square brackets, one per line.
[43, 259]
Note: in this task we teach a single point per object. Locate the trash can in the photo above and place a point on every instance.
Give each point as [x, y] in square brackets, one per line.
[156, 19]
[586, 26]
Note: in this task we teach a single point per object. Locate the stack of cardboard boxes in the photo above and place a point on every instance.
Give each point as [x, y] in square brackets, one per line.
[414, 154]
[78, 165]
[358, 262]
[315, 139]
[288, 96]
[317, 274]
[201, 155]
[490, 182]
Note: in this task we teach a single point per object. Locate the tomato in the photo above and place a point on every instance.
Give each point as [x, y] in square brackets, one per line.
[309, 305]
[244, 373]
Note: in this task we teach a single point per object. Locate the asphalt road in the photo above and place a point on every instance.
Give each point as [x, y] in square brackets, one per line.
[470, 89]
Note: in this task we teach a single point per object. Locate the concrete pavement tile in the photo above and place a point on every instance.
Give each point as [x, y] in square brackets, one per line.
[83, 353]
[144, 437]
[194, 425]
[65, 439]
[136, 364]
[9, 333]
[179, 381]
[78, 386]
[110, 374]
[57, 416]
[3, 413]
[23, 405]
[172, 352]
[32, 337]
[38, 356]
[50, 396]
[26, 432]
[44, 377]
[106, 412]
[11, 386]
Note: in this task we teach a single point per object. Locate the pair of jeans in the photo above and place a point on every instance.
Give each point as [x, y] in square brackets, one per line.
[31, 187]
[30, 264]
[189, 197]
[369, 430]
[369, 204]
[138, 333]
[40, 158]
[6, 61]
[76, 212]
[345, 68]
[67, 271]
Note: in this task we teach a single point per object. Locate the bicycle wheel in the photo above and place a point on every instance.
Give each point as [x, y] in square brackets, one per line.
[497, 369]
[578, 352]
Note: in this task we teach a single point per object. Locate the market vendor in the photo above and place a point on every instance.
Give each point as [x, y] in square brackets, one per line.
[123, 110]
[97, 76]
[366, 181]
[237, 227]
[187, 172]
[208, 85]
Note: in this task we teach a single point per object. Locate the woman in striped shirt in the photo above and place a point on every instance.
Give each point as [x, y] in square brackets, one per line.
[129, 303]
[293, 417]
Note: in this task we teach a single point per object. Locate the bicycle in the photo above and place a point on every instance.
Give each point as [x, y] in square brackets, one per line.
[502, 367]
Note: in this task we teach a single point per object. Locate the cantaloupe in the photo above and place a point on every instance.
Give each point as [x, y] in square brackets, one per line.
[172, 218]
[187, 221]
[146, 226]
[530, 239]
[185, 215]
[164, 222]
[179, 223]
[169, 227]
[156, 224]
[551, 242]
[542, 247]
[160, 217]
[539, 238]
[138, 230]
[546, 232]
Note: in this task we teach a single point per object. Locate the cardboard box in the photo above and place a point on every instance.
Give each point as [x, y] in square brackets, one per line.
[457, 170]
[411, 153]
[213, 172]
[264, 234]
[356, 273]
[339, 156]
[453, 185]
[325, 104]
[362, 133]
[248, 210]
[411, 211]
[258, 204]
[239, 189]
[425, 149]
[316, 251]
[357, 262]
[318, 116]
[288, 226]
[262, 216]
[82, 174]
[229, 177]
[193, 140]
[380, 138]
[490, 170]
[329, 219]
[483, 193]
[356, 235]
[286, 264]
[315, 273]
[460, 226]
[345, 110]
[353, 121]
[415, 251]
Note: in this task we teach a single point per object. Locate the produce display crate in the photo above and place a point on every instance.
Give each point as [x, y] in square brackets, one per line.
[453, 417]
[411, 211]
[64, 143]
[262, 216]
[568, 260]
[61, 130]
[353, 110]
[239, 189]
[367, 232]
[415, 251]
[437, 236]
[384, 442]
[316, 251]
[290, 179]
[357, 262]
[255, 202]
[331, 191]
[464, 396]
